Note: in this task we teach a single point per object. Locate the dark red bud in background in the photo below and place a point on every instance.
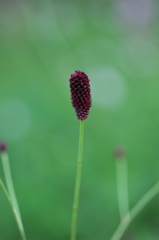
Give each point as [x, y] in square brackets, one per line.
[119, 152]
[3, 147]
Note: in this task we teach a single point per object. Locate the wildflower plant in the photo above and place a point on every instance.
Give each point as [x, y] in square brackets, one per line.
[127, 215]
[9, 191]
[81, 101]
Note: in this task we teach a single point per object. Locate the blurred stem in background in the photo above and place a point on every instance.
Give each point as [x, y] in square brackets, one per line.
[10, 194]
[126, 215]
[77, 183]
[122, 183]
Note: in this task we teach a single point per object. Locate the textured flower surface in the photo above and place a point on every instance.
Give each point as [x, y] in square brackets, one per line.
[3, 146]
[80, 94]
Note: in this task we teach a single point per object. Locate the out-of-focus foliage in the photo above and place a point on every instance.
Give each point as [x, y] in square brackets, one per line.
[41, 44]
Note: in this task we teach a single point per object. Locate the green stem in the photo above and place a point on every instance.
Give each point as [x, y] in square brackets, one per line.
[6, 193]
[77, 183]
[135, 211]
[122, 186]
[11, 196]
[9, 200]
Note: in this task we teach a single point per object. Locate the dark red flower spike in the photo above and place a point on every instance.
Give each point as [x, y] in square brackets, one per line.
[80, 94]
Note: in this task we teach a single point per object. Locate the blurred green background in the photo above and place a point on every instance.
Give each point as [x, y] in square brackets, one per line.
[116, 44]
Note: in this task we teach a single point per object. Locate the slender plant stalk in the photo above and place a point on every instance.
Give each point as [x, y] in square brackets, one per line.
[6, 193]
[122, 186]
[11, 193]
[77, 183]
[10, 201]
[135, 211]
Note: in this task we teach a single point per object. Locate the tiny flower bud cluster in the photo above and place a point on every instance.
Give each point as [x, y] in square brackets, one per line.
[3, 147]
[119, 152]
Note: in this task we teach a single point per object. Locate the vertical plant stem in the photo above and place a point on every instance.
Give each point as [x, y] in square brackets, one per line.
[12, 196]
[77, 183]
[122, 186]
[135, 211]
[9, 200]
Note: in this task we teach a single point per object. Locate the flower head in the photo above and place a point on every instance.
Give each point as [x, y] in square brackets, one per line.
[80, 94]
[3, 147]
[119, 152]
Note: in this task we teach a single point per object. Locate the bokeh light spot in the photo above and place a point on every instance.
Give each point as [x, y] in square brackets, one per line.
[139, 57]
[108, 86]
[15, 119]
[138, 13]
